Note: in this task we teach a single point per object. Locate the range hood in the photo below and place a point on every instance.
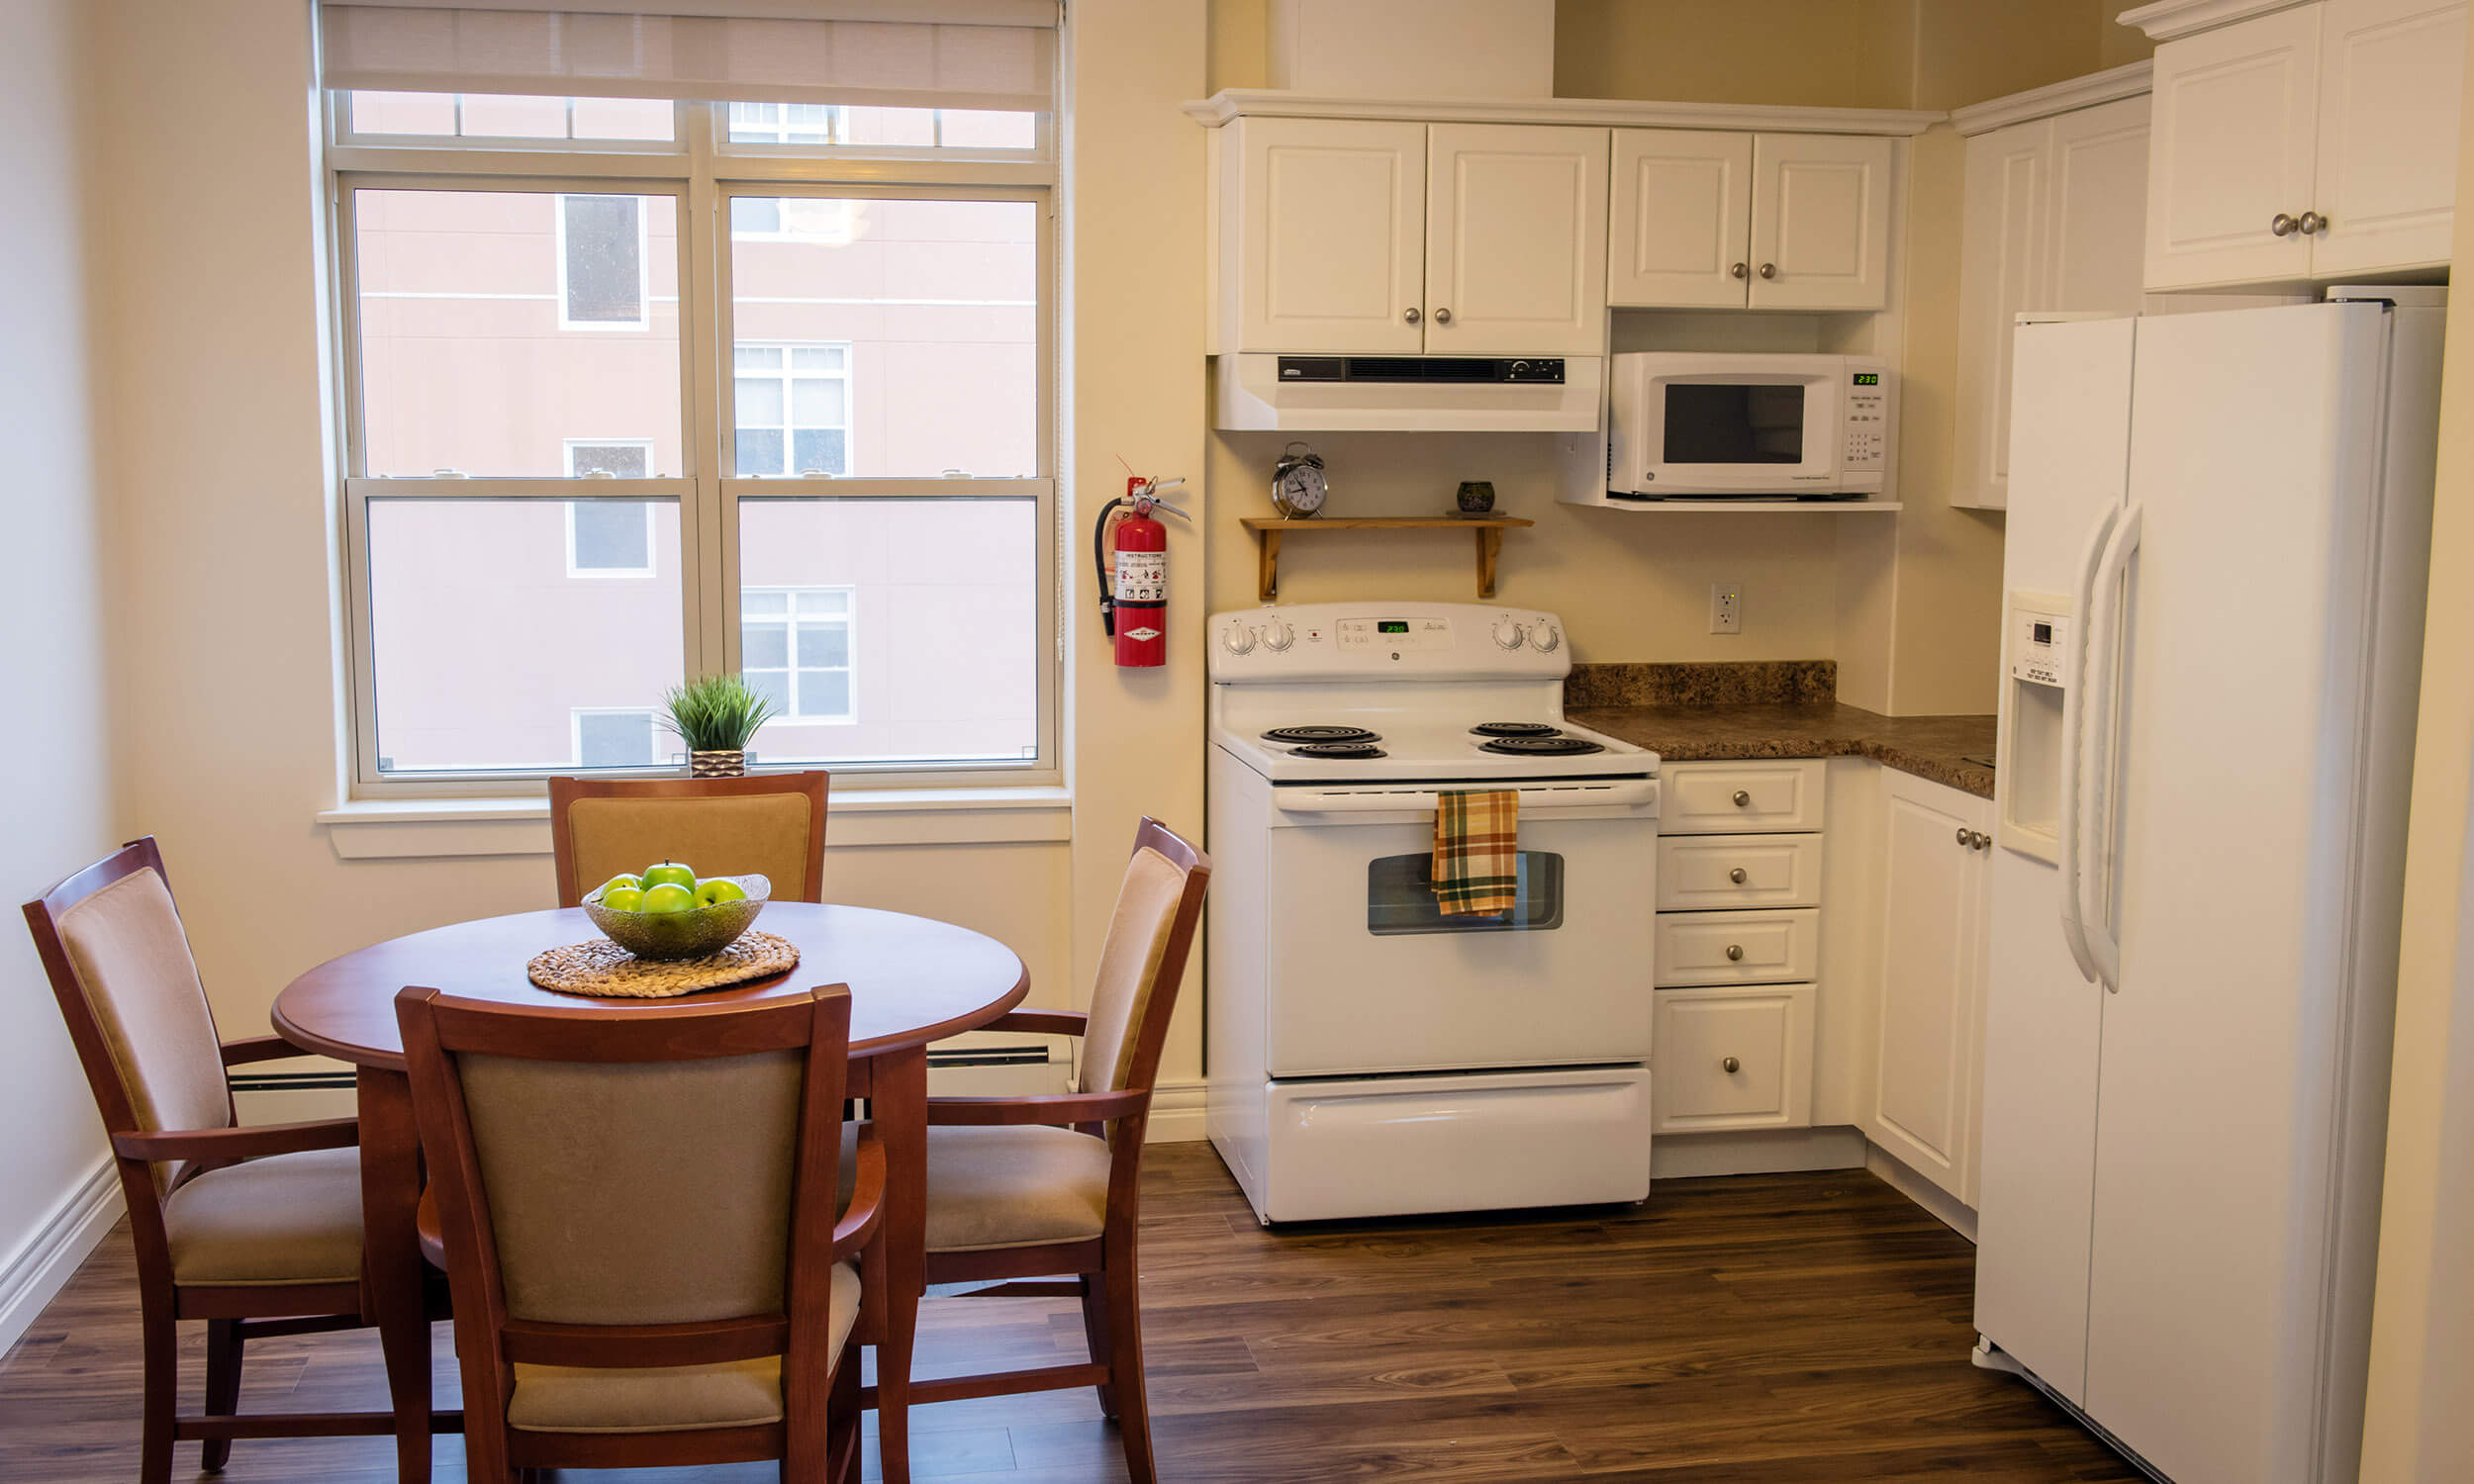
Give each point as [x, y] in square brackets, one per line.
[1411, 393]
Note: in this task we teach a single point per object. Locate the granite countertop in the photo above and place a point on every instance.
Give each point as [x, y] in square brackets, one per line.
[1785, 709]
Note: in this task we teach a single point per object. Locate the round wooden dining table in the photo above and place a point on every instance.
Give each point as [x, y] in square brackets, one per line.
[911, 981]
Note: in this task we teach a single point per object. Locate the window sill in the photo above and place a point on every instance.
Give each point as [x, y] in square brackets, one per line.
[432, 828]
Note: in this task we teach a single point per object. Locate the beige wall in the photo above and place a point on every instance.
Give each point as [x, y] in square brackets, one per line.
[2421, 1423]
[1844, 54]
[54, 748]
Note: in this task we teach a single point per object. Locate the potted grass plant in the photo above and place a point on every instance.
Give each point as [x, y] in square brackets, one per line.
[717, 716]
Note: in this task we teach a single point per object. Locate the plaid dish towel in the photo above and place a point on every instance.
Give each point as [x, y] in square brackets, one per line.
[1477, 853]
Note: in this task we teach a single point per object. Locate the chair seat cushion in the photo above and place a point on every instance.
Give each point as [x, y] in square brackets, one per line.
[668, 1398]
[1008, 1186]
[281, 1220]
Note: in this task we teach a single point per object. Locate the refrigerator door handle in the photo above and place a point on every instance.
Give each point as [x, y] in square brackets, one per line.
[2073, 704]
[2096, 803]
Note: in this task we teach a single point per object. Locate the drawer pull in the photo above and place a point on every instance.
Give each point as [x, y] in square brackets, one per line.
[1735, 875]
[1730, 1065]
[1742, 798]
[1735, 953]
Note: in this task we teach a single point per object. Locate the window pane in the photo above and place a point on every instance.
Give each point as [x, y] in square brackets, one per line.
[816, 402]
[824, 693]
[774, 686]
[755, 213]
[764, 646]
[818, 448]
[760, 401]
[483, 647]
[486, 116]
[615, 739]
[986, 129]
[616, 460]
[910, 128]
[610, 535]
[464, 363]
[826, 644]
[943, 659]
[759, 451]
[752, 603]
[627, 118]
[507, 117]
[757, 357]
[604, 259]
[430, 114]
[938, 303]
[817, 358]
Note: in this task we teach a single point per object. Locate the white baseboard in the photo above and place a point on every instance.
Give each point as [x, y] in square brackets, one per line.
[1175, 1113]
[1684, 1157]
[47, 1258]
[1902, 1177]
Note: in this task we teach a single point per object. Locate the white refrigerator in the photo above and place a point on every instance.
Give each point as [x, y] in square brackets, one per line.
[2217, 553]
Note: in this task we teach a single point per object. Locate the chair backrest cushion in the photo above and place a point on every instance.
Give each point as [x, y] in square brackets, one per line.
[131, 962]
[735, 835]
[637, 1192]
[1129, 967]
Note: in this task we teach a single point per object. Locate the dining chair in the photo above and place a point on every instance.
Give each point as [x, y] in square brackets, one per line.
[257, 1231]
[634, 1205]
[1035, 1187]
[771, 823]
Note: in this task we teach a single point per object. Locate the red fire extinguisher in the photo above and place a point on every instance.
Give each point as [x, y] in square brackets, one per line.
[1134, 597]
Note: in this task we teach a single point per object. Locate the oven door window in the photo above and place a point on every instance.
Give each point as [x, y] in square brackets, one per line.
[1734, 422]
[1401, 897]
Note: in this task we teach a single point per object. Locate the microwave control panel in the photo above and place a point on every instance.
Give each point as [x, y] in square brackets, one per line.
[1868, 420]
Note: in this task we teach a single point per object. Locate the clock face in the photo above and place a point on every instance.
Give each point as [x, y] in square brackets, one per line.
[1300, 492]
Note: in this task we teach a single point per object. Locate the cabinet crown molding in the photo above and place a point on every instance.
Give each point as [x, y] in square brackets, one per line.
[2066, 96]
[1230, 104]
[2167, 20]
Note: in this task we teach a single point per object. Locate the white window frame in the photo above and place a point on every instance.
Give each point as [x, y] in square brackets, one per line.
[651, 532]
[849, 715]
[644, 320]
[575, 734]
[700, 176]
[850, 437]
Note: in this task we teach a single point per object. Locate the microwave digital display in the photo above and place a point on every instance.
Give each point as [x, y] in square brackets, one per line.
[1734, 422]
[1866, 378]
[1391, 626]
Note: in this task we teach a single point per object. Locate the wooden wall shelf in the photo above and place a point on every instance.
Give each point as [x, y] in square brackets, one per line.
[1488, 529]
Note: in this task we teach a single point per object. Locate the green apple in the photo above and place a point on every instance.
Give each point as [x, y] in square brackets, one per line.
[669, 873]
[623, 898]
[622, 883]
[718, 891]
[668, 897]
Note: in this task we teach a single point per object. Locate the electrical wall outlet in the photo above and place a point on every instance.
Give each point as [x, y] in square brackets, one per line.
[1726, 607]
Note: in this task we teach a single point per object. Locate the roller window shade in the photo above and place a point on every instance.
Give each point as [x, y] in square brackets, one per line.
[949, 54]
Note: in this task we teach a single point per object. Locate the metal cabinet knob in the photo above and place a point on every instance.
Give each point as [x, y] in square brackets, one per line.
[1981, 840]
[2282, 226]
[1742, 798]
[1739, 270]
[1769, 270]
[1442, 316]
[1411, 315]
[1730, 1065]
[1735, 875]
[2311, 223]
[1735, 953]
[1964, 836]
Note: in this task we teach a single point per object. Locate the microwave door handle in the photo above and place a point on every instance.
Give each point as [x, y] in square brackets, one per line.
[2073, 717]
[2096, 801]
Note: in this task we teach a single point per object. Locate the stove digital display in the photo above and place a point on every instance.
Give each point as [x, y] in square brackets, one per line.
[1391, 626]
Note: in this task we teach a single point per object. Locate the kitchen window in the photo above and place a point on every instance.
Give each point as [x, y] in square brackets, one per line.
[806, 434]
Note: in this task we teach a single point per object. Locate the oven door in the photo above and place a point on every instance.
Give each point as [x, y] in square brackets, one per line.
[1365, 976]
[1742, 433]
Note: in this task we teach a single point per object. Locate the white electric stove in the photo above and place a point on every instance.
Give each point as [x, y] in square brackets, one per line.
[1370, 1056]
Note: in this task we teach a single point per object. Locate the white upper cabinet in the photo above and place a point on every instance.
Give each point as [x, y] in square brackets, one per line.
[1821, 221]
[1329, 225]
[1682, 227]
[2096, 207]
[2308, 142]
[1721, 220]
[1515, 240]
[2391, 72]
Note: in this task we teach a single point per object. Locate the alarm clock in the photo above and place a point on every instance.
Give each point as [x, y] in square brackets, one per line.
[1297, 483]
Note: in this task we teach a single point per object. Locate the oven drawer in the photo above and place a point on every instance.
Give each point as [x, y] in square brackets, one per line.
[1698, 873]
[1739, 947]
[1703, 799]
[1465, 1142]
[1734, 1057]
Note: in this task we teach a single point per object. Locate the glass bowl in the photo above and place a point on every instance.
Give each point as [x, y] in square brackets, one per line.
[693, 934]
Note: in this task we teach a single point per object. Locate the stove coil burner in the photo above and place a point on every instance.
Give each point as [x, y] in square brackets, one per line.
[1541, 747]
[1337, 750]
[1290, 736]
[1513, 730]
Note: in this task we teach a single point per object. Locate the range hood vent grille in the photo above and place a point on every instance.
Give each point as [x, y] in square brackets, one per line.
[1421, 370]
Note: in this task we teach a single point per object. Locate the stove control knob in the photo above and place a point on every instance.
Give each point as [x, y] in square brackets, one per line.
[1544, 636]
[1277, 636]
[1237, 638]
[1508, 634]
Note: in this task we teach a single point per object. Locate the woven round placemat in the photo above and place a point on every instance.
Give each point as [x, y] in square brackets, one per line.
[604, 968]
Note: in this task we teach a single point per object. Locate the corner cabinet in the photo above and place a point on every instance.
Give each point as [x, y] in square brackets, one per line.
[1928, 1094]
[2301, 142]
[1706, 218]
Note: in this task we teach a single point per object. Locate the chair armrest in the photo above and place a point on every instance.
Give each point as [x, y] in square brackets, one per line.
[866, 1211]
[1042, 1022]
[259, 1049]
[240, 1144]
[1060, 1108]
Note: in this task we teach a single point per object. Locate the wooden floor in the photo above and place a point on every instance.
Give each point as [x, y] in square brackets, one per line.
[1785, 1328]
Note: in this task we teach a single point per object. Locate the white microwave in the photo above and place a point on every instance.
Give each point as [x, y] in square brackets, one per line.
[1699, 425]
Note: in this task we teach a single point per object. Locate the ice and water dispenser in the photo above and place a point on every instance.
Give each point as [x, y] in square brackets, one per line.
[2030, 764]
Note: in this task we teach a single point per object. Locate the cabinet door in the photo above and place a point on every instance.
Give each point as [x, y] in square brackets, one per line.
[2236, 119]
[1732, 1057]
[2390, 76]
[1682, 219]
[1331, 236]
[2096, 209]
[2001, 271]
[1933, 900]
[1821, 221]
[1515, 240]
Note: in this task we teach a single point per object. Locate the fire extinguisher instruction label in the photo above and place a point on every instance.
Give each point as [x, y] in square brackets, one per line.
[1142, 576]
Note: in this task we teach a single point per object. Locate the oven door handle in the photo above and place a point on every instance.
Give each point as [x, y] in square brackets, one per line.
[1534, 800]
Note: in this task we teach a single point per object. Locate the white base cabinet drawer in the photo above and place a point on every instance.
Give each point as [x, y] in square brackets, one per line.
[1701, 799]
[1739, 947]
[1704, 873]
[1733, 1056]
